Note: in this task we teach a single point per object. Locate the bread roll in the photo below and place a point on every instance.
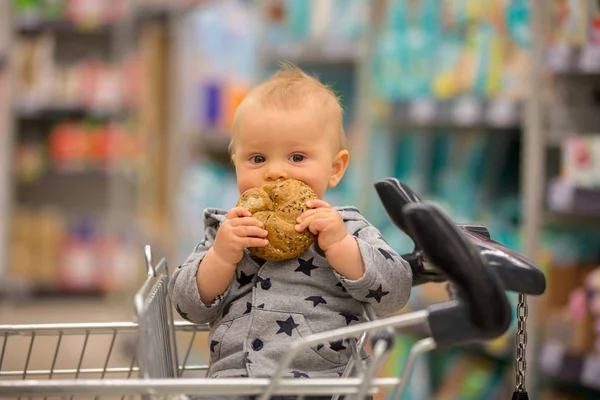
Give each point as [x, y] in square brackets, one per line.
[278, 205]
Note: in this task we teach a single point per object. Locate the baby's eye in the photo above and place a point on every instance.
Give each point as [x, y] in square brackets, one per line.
[297, 158]
[257, 159]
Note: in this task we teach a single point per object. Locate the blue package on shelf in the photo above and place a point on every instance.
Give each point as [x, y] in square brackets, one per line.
[461, 182]
[483, 47]
[242, 41]
[440, 161]
[348, 20]
[204, 185]
[299, 19]
[518, 18]
[411, 160]
[208, 32]
[415, 27]
[386, 73]
[220, 55]
[211, 93]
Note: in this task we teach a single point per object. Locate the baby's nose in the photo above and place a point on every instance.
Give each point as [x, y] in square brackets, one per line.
[275, 173]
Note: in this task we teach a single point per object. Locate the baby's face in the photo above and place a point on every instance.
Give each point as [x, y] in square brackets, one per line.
[272, 144]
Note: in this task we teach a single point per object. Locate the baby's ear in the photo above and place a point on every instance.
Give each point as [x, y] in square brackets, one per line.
[233, 159]
[338, 168]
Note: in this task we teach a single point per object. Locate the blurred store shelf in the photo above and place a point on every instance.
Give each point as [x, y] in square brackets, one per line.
[31, 27]
[43, 293]
[71, 112]
[461, 113]
[83, 174]
[137, 12]
[501, 349]
[567, 59]
[565, 199]
[210, 142]
[319, 52]
[577, 370]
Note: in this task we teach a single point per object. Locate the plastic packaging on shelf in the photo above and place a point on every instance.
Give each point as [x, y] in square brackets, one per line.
[573, 44]
[328, 24]
[457, 50]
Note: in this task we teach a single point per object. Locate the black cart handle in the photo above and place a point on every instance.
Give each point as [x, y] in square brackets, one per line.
[482, 310]
[516, 272]
[394, 195]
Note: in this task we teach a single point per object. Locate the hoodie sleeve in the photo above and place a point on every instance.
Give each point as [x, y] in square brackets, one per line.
[387, 281]
[183, 288]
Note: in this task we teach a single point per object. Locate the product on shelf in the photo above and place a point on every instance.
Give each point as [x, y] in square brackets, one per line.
[193, 198]
[470, 377]
[219, 65]
[29, 161]
[570, 351]
[431, 51]
[581, 161]
[58, 253]
[107, 147]
[573, 43]
[591, 298]
[570, 20]
[326, 23]
[79, 147]
[88, 84]
[85, 13]
[36, 239]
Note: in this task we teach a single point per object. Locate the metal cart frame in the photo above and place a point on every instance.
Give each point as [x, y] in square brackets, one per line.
[479, 311]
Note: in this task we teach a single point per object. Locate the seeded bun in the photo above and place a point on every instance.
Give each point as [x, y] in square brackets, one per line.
[277, 205]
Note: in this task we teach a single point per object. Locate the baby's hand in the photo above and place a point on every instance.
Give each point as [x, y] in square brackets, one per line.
[323, 221]
[239, 231]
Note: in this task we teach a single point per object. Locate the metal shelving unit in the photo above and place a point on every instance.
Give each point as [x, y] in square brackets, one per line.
[570, 369]
[532, 183]
[498, 117]
[572, 72]
[113, 195]
[5, 136]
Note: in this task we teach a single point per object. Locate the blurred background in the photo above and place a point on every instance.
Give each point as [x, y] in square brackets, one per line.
[115, 120]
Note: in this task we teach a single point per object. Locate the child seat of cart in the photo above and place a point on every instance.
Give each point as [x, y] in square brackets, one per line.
[479, 269]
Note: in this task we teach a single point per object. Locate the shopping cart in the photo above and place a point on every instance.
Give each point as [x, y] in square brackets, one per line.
[480, 271]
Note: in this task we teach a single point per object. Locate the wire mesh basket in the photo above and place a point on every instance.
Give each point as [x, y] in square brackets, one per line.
[142, 348]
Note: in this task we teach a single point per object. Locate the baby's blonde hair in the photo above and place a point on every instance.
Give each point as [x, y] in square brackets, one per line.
[290, 88]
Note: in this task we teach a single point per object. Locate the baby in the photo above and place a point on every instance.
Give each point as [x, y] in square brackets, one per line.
[288, 127]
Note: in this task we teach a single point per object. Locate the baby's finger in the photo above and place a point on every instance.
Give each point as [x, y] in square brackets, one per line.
[248, 231]
[246, 221]
[238, 212]
[318, 225]
[305, 223]
[306, 214]
[318, 203]
[253, 242]
[308, 221]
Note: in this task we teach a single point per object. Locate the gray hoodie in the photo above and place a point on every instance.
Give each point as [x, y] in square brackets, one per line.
[266, 307]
